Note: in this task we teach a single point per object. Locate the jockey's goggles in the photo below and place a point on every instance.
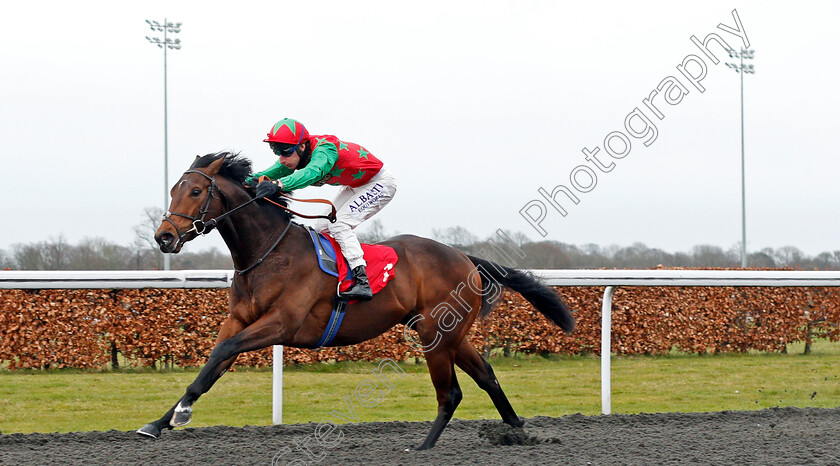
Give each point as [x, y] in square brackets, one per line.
[285, 151]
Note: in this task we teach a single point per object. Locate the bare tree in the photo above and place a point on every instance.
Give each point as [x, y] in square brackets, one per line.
[209, 259]
[144, 240]
[827, 260]
[6, 261]
[458, 236]
[789, 256]
[517, 237]
[374, 233]
[29, 256]
[707, 255]
[57, 252]
[546, 255]
[762, 259]
[99, 254]
[513, 249]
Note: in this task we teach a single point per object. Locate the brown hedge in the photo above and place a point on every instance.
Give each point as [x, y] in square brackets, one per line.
[84, 328]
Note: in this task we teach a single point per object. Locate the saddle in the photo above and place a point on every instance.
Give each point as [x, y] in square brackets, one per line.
[327, 257]
[380, 259]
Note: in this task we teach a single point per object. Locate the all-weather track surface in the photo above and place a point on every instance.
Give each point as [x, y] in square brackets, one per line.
[778, 436]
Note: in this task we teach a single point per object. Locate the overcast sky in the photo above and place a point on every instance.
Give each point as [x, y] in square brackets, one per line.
[474, 106]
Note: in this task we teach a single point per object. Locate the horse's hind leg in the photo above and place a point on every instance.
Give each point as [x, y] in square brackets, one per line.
[448, 393]
[468, 359]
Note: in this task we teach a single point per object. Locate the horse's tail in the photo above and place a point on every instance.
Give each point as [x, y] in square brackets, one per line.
[543, 298]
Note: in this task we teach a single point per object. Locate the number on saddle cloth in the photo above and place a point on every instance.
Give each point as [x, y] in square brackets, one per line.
[381, 261]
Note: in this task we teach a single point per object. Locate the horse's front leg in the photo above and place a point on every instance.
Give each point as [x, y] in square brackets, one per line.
[217, 365]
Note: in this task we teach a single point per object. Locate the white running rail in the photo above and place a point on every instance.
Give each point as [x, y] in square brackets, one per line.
[613, 278]
[572, 277]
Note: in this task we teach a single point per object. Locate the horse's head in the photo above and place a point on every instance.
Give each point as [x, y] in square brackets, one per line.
[196, 199]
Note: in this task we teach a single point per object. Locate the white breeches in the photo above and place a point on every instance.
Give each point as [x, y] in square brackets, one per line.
[354, 206]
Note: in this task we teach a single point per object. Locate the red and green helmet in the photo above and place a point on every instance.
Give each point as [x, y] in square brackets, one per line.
[288, 131]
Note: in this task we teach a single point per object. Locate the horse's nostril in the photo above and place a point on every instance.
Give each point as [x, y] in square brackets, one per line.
[166, 239]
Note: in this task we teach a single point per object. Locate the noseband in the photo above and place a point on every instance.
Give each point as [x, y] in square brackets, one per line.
[198, 224]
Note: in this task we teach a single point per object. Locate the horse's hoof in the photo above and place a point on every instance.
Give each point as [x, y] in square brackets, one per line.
[149, 430]
[181, 416]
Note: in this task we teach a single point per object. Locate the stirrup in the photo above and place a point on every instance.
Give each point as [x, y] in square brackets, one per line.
[366, 293]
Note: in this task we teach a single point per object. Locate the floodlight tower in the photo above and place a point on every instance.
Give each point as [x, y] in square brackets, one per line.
[166, 27]
[742, 69]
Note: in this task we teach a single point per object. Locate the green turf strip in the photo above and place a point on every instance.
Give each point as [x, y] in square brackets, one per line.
[72, 400]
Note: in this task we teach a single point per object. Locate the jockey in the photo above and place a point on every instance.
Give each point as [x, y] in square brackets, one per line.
[317, 160]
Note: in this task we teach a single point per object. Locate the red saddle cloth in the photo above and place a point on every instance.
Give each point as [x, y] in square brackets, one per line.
[381, 261]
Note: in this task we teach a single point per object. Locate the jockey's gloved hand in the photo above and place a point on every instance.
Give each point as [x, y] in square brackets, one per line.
[266, 189]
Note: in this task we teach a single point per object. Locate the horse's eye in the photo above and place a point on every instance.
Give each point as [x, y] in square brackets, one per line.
[195, 192]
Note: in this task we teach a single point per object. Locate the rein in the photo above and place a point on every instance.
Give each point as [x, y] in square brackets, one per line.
[200, 227]
[330, 216]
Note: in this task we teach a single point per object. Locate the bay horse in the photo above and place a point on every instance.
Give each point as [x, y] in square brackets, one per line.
[279, 296]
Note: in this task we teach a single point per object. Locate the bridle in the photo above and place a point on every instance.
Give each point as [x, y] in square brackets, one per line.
[202, 227]
[198, 224]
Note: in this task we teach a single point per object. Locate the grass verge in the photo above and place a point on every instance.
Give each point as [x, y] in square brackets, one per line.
[68, 400]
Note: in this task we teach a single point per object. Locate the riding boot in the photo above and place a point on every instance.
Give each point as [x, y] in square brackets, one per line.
[361, 286]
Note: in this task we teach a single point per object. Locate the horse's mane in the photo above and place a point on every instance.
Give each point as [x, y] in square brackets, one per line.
[235, 168]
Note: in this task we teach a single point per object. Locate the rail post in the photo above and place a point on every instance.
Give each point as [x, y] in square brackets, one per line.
[606, 350]
[277, 385]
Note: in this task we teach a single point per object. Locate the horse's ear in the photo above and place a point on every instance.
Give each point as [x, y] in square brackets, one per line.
[214, 167]
[197, 157]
